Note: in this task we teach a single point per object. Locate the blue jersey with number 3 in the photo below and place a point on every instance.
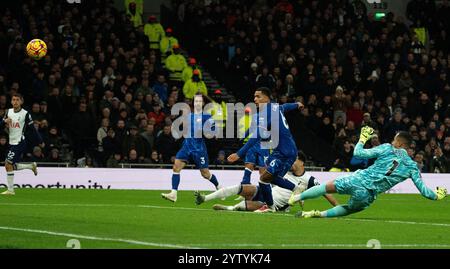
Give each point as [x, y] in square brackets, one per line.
[391, 167]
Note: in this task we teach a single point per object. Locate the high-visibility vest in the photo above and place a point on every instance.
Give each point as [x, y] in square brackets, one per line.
[421, 34]
[175, 63]
[191, 88]
[166, 45]
[136, 19]
[187, 73]
[154, 32]
[244, 124]
[219, 113]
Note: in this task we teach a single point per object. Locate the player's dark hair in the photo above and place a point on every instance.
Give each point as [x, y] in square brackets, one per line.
[264, 90]
[406, 137]
[301, 156]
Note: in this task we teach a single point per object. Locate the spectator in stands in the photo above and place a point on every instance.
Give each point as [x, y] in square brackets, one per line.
[37, 155]
[149, 136]
[161, 87]
[166, 144]
[133, 157]
[114, 160]
[340, 104]
[156, 158]
[54, 156]
[157, 115]
[102, 133]
[440, 163]
[4, 147]
[220, 160]
[135, 142]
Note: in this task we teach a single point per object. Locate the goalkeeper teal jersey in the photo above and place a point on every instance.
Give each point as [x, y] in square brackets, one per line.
[391, 167]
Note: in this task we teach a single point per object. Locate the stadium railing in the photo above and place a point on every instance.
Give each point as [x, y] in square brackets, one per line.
[213, 167]
[48, 164]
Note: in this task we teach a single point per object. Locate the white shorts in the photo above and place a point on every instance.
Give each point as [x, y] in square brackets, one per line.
[280, 197]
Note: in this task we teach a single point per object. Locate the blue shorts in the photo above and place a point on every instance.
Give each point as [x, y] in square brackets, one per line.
[361, 198]
[257, 156]
[15, 152]
[199, 158]
[278, 165]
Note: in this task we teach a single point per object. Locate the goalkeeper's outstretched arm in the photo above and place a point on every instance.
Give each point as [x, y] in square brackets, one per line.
[424, 190]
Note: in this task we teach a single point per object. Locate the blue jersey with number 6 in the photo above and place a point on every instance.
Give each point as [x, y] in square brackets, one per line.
[392, 166]
[262, 121]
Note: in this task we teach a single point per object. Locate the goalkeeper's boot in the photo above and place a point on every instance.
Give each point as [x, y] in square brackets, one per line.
[199, 198]
[171, 196]
[295, 196]
[34, 168]
[8, 192]
[308, 214]
[265, 209]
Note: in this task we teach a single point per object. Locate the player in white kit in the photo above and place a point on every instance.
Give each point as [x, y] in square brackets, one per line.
[252, 196]
[17, 120]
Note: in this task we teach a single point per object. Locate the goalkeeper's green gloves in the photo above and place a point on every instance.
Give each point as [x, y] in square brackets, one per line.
[440, 193]
[366, 134]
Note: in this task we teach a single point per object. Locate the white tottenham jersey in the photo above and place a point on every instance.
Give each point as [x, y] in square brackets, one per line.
[17, 127]
[281, 195]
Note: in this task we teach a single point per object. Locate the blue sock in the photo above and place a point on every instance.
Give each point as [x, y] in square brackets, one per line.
[314, 192]
[283, 183]
[246, 178]
[175, 181]
[266, 191]
[338, 211]
[214, 181]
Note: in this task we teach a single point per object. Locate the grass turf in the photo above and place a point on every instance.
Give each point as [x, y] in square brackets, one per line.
[40, 218]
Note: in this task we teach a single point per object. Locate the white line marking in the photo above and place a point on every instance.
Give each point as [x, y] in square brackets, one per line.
[208, 245]
[234, 212]
[88, 237]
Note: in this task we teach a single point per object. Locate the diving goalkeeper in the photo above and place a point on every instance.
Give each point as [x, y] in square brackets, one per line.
[392, 166]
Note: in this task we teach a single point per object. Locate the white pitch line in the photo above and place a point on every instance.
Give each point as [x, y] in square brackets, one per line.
[88, 237]
[326, 245]
[234, 212]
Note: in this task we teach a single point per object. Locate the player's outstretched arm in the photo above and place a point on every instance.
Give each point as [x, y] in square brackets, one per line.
[439, 194]
[291, 106]
[363, 153]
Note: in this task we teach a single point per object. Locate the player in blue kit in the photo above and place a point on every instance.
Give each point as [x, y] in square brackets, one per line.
[255, 156]
[193, 149]
[284, 153]
[392, 166]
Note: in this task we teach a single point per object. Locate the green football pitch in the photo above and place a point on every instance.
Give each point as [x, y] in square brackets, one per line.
[42, 218]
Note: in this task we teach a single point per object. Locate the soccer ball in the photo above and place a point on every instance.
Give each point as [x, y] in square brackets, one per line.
[36, 49]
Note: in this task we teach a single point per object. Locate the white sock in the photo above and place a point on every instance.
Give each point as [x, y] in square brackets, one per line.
[21, 166]
[241, 206]
[174, 192]
[10, 179]
[224, 192]
[323, 214]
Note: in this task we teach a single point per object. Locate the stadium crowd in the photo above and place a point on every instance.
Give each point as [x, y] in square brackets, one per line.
[105, 89]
